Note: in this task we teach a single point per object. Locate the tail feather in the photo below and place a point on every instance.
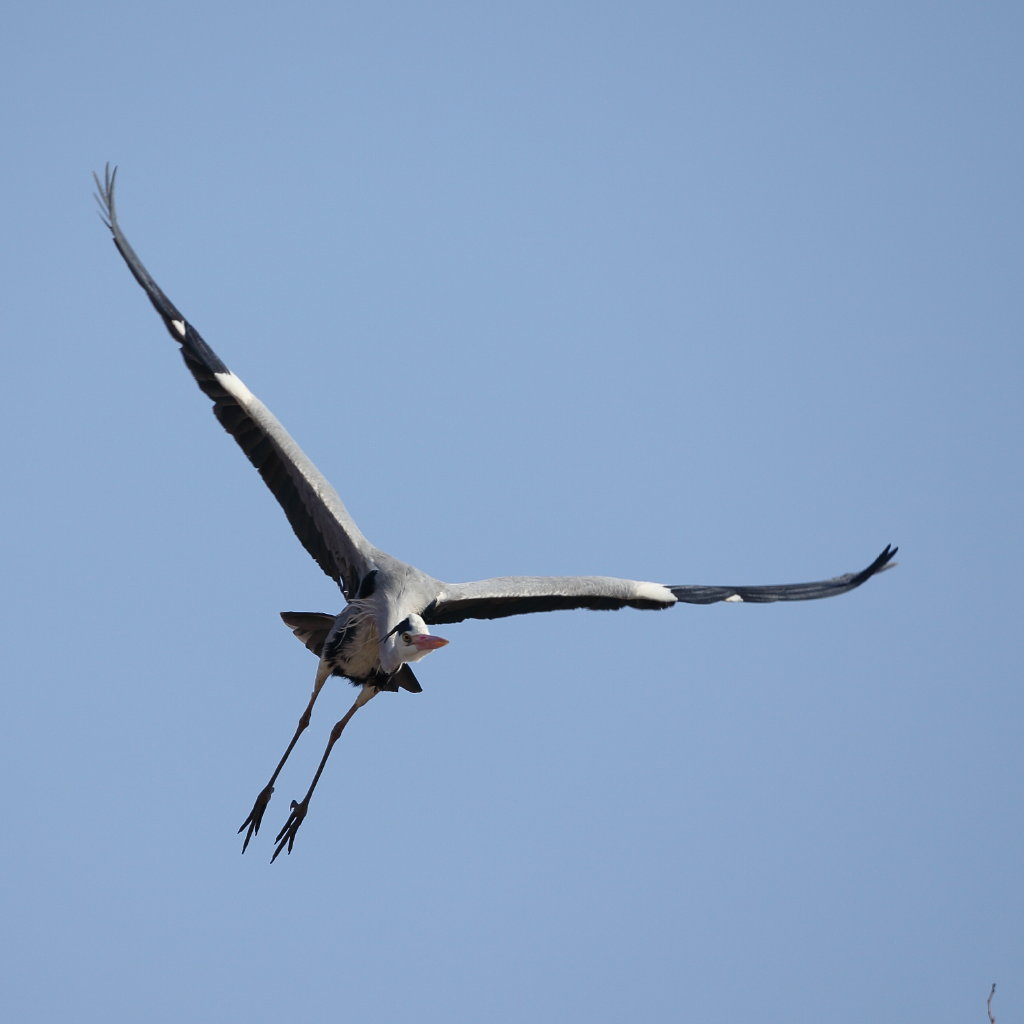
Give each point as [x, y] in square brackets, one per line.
[310, 627]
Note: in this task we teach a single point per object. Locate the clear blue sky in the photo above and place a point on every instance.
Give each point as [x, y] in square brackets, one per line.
[706, 293]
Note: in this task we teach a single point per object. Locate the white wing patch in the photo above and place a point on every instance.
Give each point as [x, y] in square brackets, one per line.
[654, 592]
[234, 387]
[179, 326]
[735, 598]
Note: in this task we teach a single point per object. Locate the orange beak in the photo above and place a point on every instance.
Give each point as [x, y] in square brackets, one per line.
[426, 642]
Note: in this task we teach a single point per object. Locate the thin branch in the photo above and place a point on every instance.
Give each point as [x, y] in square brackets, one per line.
[992, 1019]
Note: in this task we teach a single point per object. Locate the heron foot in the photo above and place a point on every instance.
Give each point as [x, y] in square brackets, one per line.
[255, 818]
[286, 837]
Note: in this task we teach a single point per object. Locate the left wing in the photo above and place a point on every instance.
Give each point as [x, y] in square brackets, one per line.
[519, 595]
[787, 591]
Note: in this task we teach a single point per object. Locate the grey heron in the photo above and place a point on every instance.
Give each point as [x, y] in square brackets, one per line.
[390, 605]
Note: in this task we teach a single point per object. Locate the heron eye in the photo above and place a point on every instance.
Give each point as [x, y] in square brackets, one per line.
[406, 638]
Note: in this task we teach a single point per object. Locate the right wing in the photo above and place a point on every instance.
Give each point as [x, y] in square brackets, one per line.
[314, 510]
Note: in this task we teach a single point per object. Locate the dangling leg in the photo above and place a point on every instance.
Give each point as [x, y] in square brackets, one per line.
[255, 818]
[286, 837]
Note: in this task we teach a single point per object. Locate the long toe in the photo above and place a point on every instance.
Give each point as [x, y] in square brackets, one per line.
[255, 819]
[286, 837]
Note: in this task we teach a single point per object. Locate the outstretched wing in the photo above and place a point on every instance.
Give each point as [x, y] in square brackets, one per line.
[787, 591]
[314, 510]
[518, 595]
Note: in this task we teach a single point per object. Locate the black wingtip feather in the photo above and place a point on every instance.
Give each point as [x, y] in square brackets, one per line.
[104, 194]
[695, 594]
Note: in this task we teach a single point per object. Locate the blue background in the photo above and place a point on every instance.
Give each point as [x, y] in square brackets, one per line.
[709, 293]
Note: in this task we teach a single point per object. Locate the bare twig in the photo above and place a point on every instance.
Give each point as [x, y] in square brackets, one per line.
[992, 1019]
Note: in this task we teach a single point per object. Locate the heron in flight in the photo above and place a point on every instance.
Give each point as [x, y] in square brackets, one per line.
[390, 605]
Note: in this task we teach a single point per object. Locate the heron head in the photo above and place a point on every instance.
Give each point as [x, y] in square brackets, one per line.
[412, 639]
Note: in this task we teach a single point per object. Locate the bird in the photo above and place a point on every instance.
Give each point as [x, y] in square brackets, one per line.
[390, 606]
